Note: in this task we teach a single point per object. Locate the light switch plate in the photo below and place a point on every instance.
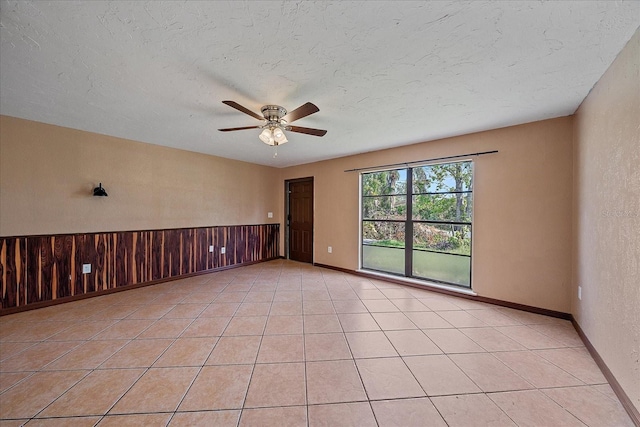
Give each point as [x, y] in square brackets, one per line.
[329, 249]
[86, 268]
[223, 250]
[211, 248]
[269, 214]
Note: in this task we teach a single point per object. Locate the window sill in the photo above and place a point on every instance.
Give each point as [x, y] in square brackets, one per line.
[422, 283]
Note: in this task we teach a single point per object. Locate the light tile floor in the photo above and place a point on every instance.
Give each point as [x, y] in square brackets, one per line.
[283, 343]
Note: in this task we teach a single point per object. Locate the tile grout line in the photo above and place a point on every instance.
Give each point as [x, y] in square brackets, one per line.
[89, 371]
[311, 286]
[167, 349]
[304, 349]
[366, 393]
[416, 379]
[147, 369]
[364, 388]
[255, 363]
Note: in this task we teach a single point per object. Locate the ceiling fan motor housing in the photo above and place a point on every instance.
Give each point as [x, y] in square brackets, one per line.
[273, 113]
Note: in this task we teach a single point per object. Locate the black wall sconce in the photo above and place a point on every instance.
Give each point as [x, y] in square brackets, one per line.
[99, 191]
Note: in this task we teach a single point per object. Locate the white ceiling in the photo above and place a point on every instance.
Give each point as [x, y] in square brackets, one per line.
[383, 73]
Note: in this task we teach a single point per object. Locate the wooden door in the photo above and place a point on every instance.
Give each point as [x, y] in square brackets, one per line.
[301, 220]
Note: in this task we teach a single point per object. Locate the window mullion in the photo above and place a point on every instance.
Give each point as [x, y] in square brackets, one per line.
[408, 227]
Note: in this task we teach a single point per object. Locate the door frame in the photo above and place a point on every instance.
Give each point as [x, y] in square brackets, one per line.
[287, 182]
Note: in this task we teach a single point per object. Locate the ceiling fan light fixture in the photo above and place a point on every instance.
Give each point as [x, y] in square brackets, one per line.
[267, 137]
[277, 133]
[279, 136]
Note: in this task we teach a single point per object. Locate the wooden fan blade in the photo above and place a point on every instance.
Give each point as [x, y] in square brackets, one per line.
[239, 107]
[242, 128]
[308, 131]
[300, 112]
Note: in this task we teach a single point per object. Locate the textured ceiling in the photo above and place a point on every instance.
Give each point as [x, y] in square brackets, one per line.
[383, 74]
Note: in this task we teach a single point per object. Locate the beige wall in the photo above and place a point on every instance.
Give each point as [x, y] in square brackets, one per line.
[47, 174]
[522, 208]
[607, 218]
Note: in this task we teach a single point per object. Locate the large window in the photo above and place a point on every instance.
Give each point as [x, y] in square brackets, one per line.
[416, 222]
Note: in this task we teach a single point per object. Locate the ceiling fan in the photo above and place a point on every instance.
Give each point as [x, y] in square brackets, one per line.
[277, 121]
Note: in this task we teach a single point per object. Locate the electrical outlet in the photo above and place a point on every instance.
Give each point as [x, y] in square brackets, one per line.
[223, 250]
[269, 214]
[86, 268]
[580, 292]
[329, 249]
[211, 248]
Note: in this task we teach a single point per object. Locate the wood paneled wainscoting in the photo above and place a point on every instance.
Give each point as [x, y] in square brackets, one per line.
[40, 270]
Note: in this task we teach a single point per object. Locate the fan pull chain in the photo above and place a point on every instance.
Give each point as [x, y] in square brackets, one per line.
[276, 153]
